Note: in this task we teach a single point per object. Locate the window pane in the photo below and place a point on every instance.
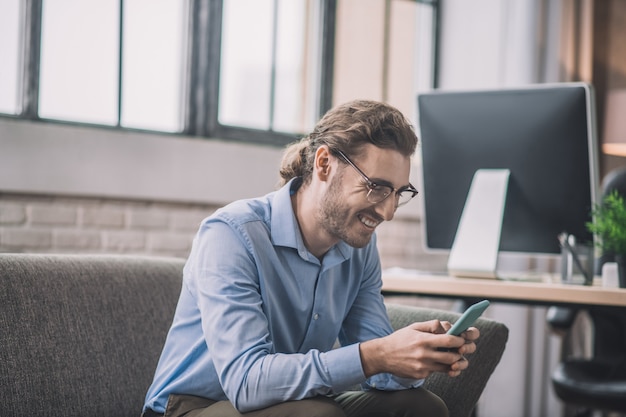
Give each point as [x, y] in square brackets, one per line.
[152, 64]
[79, 61]
[290, 48]
[297, 66]
[9, 51]
[245, 74]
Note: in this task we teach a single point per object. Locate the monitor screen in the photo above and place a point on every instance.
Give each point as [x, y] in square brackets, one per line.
[543, 134]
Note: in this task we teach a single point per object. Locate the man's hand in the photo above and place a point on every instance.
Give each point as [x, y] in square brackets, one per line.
[418, 350]
[470, 336]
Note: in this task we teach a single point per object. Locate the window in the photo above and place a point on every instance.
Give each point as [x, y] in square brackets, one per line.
[88, 75]
[269, 68]
[246, 70]
[79, 61]
[268, 73]
[153, 56]
[9, 51]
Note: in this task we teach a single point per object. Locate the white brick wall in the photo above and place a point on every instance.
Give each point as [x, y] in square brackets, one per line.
[30, 223]
[52, 214]
[12, 213]
[104, 217]
[25, 239]
[400, 244]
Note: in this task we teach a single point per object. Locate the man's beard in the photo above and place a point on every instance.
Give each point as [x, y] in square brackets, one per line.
[333, 217]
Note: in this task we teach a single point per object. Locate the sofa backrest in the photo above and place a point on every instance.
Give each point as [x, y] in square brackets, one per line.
[81, 335]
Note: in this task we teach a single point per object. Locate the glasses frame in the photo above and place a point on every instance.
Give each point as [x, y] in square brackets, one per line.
[371, 185]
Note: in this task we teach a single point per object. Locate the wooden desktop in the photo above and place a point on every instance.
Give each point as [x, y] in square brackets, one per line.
[548, 292]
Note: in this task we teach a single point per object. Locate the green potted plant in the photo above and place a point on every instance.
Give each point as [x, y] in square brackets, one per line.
[609, 228]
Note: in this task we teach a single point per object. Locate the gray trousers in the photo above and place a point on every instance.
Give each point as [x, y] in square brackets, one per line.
[417, 402]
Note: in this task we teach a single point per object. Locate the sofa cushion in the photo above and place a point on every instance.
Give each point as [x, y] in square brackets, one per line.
[81, 335]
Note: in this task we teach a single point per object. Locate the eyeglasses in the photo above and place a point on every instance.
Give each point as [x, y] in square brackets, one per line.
[379, 192]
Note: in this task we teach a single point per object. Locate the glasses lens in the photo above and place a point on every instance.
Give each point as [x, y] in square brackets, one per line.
[378, 193]
[405, 196]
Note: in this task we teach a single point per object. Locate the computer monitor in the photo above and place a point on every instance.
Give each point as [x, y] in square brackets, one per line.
[543, 136]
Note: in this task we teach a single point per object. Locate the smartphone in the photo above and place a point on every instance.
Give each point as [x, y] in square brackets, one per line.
[468, 318]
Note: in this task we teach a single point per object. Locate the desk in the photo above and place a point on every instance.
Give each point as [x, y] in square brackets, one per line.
[532, 379]
[542, 293]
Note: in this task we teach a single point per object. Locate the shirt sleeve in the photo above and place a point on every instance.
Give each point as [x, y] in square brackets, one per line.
[368, 319]
[252, 374]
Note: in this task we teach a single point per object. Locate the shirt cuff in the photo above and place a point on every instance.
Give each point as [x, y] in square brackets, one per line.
[388, 382]
[344, 367]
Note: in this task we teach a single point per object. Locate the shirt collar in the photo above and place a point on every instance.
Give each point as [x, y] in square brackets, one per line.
[286, 232]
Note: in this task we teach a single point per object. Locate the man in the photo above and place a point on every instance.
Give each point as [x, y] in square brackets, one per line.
[272, 283]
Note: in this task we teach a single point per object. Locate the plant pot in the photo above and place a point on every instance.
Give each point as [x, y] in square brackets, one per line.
[621, 270]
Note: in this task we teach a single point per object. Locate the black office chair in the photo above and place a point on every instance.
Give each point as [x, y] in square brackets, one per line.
[597, 383]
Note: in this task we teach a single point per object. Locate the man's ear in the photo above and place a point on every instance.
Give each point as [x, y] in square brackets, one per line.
[323, 166]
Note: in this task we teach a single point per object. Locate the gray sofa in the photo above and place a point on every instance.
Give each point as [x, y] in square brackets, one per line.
[80, 335]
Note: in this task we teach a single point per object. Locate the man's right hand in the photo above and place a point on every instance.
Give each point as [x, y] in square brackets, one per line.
[414, 351]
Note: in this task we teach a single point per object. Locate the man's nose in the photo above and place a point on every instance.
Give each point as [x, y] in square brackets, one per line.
[387, 208]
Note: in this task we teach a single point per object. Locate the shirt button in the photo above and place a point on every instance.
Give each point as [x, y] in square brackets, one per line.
[316, 316]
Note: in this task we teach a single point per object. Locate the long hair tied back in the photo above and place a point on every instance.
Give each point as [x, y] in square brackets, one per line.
[347, 128]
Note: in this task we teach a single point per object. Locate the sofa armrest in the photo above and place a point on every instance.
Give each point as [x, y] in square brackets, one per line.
[461, 393]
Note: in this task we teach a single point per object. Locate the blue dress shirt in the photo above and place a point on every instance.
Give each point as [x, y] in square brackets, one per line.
[258, 314]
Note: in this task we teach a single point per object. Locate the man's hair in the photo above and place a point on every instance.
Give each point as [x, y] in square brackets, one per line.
[348, 128]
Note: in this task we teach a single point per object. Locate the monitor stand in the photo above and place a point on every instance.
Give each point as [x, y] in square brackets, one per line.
[474, 252]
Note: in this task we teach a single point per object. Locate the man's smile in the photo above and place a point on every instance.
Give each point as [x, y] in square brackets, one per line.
[368, 221]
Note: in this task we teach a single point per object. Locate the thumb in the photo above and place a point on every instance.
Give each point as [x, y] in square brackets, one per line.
[431, 326]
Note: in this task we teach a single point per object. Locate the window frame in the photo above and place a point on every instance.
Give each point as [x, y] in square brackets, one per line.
[204, 75]
[201, 88]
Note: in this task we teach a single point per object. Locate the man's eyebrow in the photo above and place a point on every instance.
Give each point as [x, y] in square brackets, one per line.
[381, 181]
